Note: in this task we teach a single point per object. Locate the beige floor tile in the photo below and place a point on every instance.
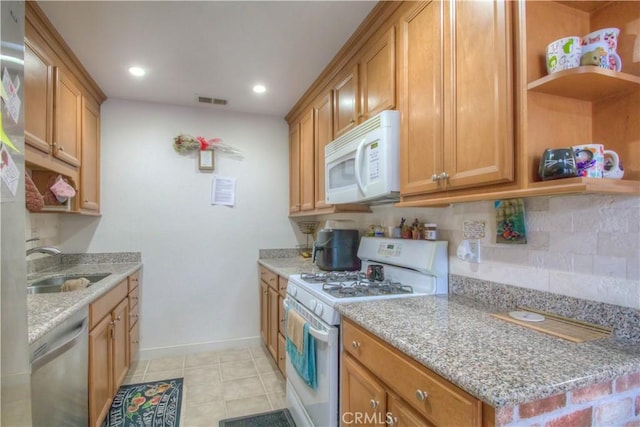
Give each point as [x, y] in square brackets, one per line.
[273, 382]
[163, 375]
[242, 368]
[201, 359]
[234, 355]
[134, 379]
[166, 364]
[203, 375]
[203, 415]
[242, 387]
[260, 352]
[206, 392]
[138, 367]
[247, 405]
[277, 399]
[265, 365]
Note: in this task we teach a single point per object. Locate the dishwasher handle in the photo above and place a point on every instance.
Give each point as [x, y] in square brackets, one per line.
[60, 346]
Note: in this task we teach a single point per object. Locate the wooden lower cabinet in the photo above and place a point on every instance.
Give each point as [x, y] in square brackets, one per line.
[113, 343]
[379, 379]
[272, 292]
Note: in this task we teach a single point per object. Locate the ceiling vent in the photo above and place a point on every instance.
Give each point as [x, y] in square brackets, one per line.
[212, 101]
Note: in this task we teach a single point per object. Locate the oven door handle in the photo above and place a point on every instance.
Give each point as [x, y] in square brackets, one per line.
[316, 333]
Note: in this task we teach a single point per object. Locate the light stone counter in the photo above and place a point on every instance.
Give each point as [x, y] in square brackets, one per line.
[46, 311]
[284, 267]
[501, 363]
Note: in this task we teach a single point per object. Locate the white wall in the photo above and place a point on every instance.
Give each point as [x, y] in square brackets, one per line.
[581, 246]
[200, 282]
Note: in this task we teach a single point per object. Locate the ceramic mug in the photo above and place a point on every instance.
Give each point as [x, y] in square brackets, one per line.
[598, 54]
[606, 35]
[563, 54]
[612, 165]
[589, 160]
[557, 163]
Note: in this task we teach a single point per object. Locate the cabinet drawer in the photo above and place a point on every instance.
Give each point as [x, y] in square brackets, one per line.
[282, 286]
[269, 276]
[431, 395]
[103, 305]
[134, 298]
[134, 280]
[134, 314]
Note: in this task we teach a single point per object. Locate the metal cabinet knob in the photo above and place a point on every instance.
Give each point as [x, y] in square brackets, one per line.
[352, 121]
[60, 148]
[435, 178]
[391, 420]
[421, 395]
[355, 345]
[444, 176]
[374, 403]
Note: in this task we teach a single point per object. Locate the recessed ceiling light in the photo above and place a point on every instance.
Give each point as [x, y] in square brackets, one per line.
[137, 71]
[259, 89]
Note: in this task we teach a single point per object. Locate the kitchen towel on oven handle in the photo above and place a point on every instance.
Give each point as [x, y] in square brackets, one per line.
[303, 361]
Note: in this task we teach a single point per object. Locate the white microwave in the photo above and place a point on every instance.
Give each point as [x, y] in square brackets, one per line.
[362, 166]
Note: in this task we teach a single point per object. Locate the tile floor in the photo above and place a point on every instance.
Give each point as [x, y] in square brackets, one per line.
[218, 385]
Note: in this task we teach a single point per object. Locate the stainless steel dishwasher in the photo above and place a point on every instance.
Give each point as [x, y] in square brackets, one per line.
[59, 375]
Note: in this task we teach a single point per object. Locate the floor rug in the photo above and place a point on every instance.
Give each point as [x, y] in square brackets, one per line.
[279, 418]
[152, 404]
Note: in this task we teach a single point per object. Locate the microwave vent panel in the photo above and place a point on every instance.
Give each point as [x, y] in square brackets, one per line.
[212, 101]
[354, 134]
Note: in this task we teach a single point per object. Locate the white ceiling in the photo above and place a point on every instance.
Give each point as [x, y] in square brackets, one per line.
[209, 48]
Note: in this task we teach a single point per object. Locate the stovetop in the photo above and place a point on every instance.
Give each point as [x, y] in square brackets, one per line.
[351, 284]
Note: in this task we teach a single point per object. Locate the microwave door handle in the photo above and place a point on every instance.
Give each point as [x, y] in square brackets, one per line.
[358, 161]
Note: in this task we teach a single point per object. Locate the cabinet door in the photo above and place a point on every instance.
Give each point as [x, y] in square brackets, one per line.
[378, 76]
[363, 397]
[323, 135]
[401, 415]
[90, 169]
[272, 343]
[120, 318]
[134, 342]
[38, 98]
[307, 165]
[281, 315]
[264, 311]
[100, 368]
[67, 126]
[294, 168]
[345, 103]
[478, 93]
[421, 87]
[282, 354]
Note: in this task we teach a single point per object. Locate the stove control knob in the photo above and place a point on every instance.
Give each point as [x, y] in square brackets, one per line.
[292, 290]
[319, 309]
[313, 303]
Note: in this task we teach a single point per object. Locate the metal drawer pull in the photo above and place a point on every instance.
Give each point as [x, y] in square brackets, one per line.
[421, 395]
[355, 345]
[392, 420]
[374, 403]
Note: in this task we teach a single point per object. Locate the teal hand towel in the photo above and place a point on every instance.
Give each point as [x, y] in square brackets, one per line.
[304, 362]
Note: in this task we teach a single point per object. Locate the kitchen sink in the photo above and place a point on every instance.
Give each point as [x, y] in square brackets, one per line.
[54, 283]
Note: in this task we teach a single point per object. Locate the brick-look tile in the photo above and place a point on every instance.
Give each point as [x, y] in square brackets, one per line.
[504, 415]
[577, 418]
[628, 382]
[542, 406]
[614, 413]
[592, 392]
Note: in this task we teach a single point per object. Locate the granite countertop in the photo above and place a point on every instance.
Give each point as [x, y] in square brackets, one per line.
[46, 311]
[500, 363]
[291, 265]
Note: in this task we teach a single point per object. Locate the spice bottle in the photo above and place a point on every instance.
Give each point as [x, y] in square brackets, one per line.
[431, 232]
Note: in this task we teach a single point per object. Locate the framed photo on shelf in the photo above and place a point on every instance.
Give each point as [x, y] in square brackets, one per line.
[205, 160]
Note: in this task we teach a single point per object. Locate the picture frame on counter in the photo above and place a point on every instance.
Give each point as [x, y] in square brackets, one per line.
[205, 160]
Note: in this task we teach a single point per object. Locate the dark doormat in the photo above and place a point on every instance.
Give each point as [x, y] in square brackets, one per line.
[152, 404]
[279, 418]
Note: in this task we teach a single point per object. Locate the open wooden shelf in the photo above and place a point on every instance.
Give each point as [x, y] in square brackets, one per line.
[588, 83]
[585, 6]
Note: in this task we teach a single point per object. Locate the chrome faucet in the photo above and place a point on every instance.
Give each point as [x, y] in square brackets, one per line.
[42, 249]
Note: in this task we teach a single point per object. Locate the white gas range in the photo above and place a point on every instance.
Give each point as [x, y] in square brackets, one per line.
[391, 268]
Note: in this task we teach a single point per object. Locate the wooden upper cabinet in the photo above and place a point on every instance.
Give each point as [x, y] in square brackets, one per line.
[345, 103]
[294, 168]
[90, 169]
[421, 98]
[479, 140]
[378, 76]
[323, 135]
[67, 135]
[458, 115]
[38, 95]
[307, 165]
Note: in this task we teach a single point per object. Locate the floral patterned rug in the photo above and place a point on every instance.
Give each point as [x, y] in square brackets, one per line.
[153, 404]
